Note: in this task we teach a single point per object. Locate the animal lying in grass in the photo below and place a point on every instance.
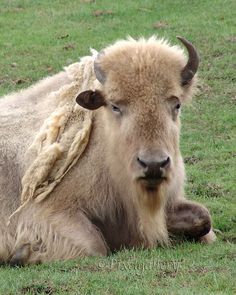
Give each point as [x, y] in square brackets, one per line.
[105, 173]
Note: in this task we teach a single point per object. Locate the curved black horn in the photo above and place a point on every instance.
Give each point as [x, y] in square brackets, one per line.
[99, 73]
[191, 67]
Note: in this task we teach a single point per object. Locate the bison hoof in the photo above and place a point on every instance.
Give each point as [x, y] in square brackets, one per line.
[20, 256]
[208, 238]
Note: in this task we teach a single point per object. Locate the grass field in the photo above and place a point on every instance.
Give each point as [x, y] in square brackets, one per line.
[37, 38]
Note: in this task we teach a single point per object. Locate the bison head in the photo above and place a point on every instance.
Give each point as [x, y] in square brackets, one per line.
[143, 85]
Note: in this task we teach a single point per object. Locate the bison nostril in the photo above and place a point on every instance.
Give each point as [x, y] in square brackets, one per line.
[153, 167]
[164, 163]
[141, 163]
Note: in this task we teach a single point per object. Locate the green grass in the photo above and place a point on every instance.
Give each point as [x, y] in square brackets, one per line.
[38, 38]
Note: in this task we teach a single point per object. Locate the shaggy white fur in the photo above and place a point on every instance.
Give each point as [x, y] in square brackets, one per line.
[63, 136]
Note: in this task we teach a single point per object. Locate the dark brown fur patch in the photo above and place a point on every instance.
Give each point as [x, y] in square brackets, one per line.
[188, 219]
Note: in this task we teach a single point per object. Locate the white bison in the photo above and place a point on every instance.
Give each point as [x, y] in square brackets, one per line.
[89, 182]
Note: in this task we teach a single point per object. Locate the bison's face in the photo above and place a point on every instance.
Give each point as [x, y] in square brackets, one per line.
[141, 97]
[143, 132]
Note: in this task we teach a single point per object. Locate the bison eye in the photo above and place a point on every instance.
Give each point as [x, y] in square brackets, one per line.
[176, 111]
[115, 109]
[177, 107]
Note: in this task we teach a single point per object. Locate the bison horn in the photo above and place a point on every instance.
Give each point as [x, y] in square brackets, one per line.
[99, 73]
[191, 67]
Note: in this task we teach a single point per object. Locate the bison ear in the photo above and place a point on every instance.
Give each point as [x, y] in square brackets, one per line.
[91, 100]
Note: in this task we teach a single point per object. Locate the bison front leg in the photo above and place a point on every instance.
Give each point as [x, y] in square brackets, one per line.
[190, 220]
[44, 237]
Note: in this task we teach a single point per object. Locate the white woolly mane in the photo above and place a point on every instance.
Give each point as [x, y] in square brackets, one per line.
[63, 136]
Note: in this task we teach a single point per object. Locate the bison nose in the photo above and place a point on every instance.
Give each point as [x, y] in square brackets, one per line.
[154, 168]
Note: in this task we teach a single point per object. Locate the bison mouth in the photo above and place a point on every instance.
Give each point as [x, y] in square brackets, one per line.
[151, 183]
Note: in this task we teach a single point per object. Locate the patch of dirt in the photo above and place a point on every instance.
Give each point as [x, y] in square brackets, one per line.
[48, 68]
[76, 268]
[166, 274]
[191, 160]
[233, 99]
[36, 289]
[63, 36]
[100, 12]
[200, 270]
[69, 47]
[210, 190]
[20, 81]
[160, 25]
[231, 39]
[214, 190]
[13, 65]
[145, 9]
[217, 53]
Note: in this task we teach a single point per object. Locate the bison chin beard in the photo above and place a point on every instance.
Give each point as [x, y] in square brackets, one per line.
[152, 194]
